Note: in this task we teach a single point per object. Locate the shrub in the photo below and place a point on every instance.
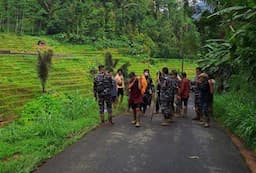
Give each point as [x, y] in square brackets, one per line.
[237, 112]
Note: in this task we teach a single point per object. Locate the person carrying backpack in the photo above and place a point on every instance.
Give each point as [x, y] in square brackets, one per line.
[166, 94]
[102, 87]
[147, 96]
[205, 96]
[135, 97]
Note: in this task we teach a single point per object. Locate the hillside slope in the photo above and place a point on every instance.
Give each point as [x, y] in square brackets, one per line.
[18, 77]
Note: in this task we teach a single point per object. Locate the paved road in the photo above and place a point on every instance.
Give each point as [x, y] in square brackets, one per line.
[184, 147]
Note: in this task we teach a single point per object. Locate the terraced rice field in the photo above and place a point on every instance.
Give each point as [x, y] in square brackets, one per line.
[18, 74]
[19, 82]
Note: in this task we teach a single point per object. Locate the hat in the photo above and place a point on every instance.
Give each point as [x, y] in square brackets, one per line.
[204, 75]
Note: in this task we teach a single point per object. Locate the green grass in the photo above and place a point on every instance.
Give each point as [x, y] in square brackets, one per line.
[39, 132]
[28, 44]
[236, 111]
[47, 125]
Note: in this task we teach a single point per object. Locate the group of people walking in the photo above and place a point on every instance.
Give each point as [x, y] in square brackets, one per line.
[171, 94]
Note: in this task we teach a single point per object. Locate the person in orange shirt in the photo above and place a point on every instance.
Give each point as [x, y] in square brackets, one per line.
[147, 96]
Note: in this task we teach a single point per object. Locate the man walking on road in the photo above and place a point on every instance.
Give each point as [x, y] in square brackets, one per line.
[114, 88]
[135, 97]
[102, 92]
[166, 94]
[205, 94]
[120, 85]
[147, 96]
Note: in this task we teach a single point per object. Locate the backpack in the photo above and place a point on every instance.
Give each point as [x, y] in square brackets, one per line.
[144, 84]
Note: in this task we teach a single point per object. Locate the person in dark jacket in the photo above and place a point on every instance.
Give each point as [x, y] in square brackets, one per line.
[114, 88]
[205, 97]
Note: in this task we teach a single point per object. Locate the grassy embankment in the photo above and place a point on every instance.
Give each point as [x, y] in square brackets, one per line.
[236, 110]
[49, 122]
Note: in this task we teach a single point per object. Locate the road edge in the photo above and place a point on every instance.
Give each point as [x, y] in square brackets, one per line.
[248, 155]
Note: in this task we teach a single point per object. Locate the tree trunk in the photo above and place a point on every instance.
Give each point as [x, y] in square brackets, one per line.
[22, 20]
[43, 86]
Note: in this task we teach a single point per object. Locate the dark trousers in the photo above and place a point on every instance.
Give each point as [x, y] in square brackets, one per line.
[146, 102]
[166, 108]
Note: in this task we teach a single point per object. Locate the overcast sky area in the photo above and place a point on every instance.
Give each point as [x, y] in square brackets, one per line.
[201, 7]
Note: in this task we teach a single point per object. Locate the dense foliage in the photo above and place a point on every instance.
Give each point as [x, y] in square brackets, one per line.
[160, 28]
[236, 110]
[232, 50]
[229, 37]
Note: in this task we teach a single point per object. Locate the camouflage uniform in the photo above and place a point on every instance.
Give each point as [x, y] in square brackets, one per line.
[103, 91]
[168, 86]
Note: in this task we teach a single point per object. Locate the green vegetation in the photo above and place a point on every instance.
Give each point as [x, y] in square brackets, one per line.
[149, 27]
[19, 82]
[236, 111]
[47, 125]
[144, 34]
[229, 55]
[27, 44]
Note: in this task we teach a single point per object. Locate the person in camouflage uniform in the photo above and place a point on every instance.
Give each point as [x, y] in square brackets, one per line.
[176, 100]
[102, 92]
[195, 88]
[166, 94]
